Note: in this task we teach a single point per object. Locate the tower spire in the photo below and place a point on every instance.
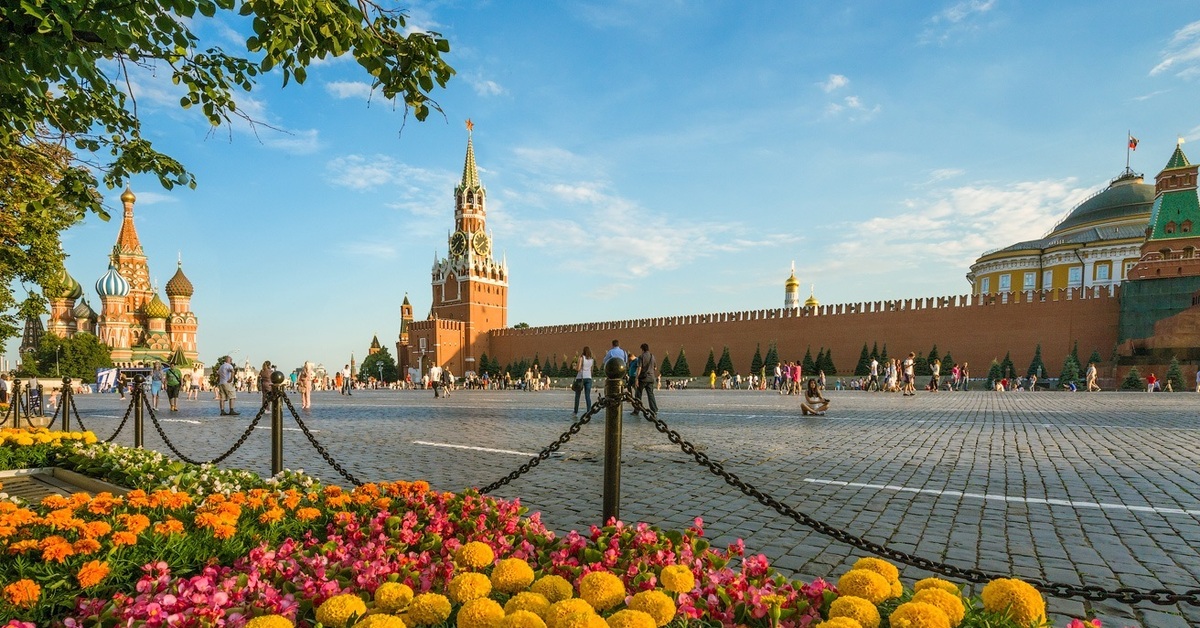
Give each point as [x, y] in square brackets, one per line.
[470, 177]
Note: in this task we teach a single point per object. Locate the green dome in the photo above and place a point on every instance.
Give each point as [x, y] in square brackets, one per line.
[70, 288]
[155, 308]
[1126, 197]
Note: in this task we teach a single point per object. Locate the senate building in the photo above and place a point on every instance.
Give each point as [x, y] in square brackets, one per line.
[1119, 275]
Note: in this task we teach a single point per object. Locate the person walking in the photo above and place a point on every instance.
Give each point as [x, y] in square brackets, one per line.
[435, 380]
[910, 377]
[935, 374]
[583, 379]
[965, 374]
[156, 383]
[265, 385]
[1090, 378]
[304, 383]
[346, 374]
[225, 389]
[647, 376]
[173, 378]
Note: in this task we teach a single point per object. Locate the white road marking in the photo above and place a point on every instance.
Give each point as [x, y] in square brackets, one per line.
[286, 429]
[1008, 498]
[179, 421]
[487, 449]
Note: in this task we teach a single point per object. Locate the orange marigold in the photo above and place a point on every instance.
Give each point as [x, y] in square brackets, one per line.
[102, 504]
[124, 538]
[307, 514]
[22, 592]
[134, 523]
[22, 546]
[168, 527]
[291, 498]
[92, 573]
[95, 529]
[83, 547]
[173, 499]
[224, 531]
[55, 501]
[137, 498]
[57, 552]
[271, 516]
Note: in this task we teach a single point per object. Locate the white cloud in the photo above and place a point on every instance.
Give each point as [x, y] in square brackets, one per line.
[954, 20]
[374, 250]
[304, 142]
[349, 89]
[853, 108]
[1182, 54]
[419, 191]
[835, 82]
[955, 226]
[941, 174]
[360, 173]
[484, 87]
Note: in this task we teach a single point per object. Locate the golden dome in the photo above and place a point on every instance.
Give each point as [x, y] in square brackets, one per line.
[792, 284]
[127, 196]
[155, 308]
[811, 301]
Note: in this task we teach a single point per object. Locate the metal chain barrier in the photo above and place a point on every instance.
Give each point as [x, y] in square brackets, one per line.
[1127, 595]
[600, 404]
[313, 440]
[124, 420]
[179, 454]
[79, 421]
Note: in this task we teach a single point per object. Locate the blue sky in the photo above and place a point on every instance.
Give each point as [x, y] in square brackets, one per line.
[651, 158]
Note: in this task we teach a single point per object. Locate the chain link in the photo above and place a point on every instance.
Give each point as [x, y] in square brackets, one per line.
[544, 454]
[218, 459]
[124, 419]
[75, 411]
[313, 440]
[1162, 597]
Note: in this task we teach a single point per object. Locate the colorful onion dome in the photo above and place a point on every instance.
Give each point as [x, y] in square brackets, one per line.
[83, 310]
[155, 308]
[112, 284]
[127, 196]
[70, 290]
[179, 285]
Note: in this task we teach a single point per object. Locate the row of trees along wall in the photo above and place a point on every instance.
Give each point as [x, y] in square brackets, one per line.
[974, 328]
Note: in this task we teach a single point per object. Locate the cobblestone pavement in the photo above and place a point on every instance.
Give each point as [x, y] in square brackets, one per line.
[1096, 489]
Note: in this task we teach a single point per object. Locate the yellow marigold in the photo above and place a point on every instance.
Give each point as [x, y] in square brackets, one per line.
[535, 603]
[393, 596]
[840, 622]
[561, 609]
[630, 619]
[468, 586]
[602, 590]
[92, 573]
[337, 610]
[859, 609]
[307, 514]
[428, 609]
[380, 621]
[22, 593]
[936, 583]
[1022, 602]
[879, 566]
[865, 584]
[270, 621]
[555, 588]
[897, 588]
[656, 604]
[522, 619]
[583, 620]
[480, 613]
[512, 575]
[678, 578]
[950, 603]
[918, 615]
[475, 555]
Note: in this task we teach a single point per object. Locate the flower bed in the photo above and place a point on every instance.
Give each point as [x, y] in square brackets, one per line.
[199, 546]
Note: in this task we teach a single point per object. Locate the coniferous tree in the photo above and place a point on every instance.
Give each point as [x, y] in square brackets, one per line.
[665, 368]
[875, 350]
[772, 358]
[883, 356]
[1174, 375]
[1133, 381]
[819, 362]
[864, 362]
[725, 364]
[921, 365]
[826, 363]
[485, 365]
[947, 363]
[710, 366]
[933, 355]
[1075, 351]
[681, 366]
[808, 365]
[1070, 372]
[1095, 357]
[756, 363]
[1007, 367]
[995, 374]
[1037, 366]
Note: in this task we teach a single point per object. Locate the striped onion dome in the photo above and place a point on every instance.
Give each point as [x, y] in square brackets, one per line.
[155, 308]
[112, 284]
[83, 310]
[70, 290]
[179, 285]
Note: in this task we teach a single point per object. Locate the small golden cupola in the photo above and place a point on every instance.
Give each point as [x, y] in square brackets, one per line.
[811, 301]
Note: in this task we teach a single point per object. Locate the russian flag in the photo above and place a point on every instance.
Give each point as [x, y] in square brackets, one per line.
[1133, 142]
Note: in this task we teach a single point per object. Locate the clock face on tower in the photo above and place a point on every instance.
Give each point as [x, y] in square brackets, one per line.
[481, 244]
[458, 243]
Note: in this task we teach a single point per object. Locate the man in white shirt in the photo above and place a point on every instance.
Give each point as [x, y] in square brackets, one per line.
[435, 379]
[615, 352]
[225, 389]
[346, 380]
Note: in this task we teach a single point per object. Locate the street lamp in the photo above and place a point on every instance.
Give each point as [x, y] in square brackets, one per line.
[380, 368]
[57, 350]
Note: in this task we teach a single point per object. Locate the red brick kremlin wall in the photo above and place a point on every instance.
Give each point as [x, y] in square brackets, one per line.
[972, 328]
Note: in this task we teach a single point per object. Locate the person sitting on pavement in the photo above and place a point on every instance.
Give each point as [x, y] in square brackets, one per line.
[813, 402]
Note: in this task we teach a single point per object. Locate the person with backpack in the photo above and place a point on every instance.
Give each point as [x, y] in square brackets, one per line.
[173, 378]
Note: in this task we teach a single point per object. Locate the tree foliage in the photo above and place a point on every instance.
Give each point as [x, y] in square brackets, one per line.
[1133, 380]
[725, 364]
[756, 363]
[78, 357]
[809, 365]
[666, 370]
[772, 358]
[864, 362]
[826, 363]
[681, 366]
[68, 107]
[370, 367]
[1174, 376]
[710, 366]
[1037, 366]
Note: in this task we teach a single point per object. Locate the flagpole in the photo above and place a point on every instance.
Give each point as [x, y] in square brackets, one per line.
[1128, 134]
